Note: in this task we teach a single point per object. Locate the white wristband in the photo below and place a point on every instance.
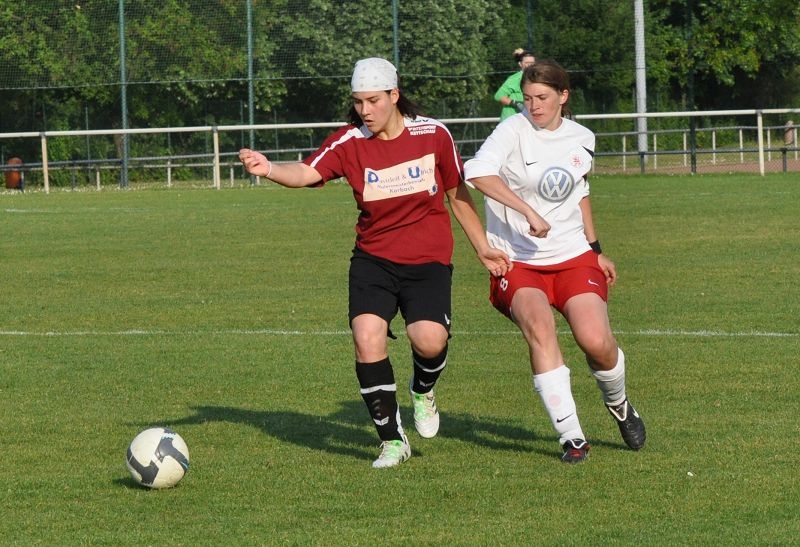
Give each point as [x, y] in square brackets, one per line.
[270, 169]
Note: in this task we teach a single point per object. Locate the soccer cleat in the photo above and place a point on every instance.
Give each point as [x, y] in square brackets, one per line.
[631, 426]
[426, 415]
[393, 453]
[575, 451]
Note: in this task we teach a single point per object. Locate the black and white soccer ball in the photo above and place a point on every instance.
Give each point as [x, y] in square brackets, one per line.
[158, 458]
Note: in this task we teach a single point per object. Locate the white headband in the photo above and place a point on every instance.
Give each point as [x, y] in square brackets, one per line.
[373, 74]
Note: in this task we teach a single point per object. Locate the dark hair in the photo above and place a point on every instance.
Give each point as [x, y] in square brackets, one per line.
[551, 74]
[406, 106]
[521, 53]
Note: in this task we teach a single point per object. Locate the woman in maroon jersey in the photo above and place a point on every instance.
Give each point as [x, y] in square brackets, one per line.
[400, 166]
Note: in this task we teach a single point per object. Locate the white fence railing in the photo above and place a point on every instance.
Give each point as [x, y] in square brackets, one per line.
[648, 157]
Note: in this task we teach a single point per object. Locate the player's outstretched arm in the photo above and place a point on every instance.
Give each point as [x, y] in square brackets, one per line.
[291, 175]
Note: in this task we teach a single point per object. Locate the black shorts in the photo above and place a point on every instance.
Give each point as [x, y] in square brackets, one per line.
[381, 287]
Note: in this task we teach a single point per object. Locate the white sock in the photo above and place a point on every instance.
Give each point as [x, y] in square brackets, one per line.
[612, 382]
[554, 389]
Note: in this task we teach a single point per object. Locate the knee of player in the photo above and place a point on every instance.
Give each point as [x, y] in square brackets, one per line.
[536, 327]
[601, 351]
[369, 338]
[428, 342]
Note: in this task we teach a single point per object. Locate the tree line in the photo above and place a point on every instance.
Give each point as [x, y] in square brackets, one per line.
[187, 60]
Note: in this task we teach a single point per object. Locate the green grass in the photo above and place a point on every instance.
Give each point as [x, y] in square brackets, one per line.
[223, 314]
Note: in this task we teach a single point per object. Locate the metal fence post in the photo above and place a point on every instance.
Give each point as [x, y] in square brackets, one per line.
[45, 172]
[215, 138]
[760, 129]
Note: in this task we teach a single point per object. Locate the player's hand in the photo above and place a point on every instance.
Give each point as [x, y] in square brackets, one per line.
[539, 227]
[254, 162]
[609, 269]
[496, 261]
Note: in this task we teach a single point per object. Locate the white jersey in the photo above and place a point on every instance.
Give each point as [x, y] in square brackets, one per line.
[548, 170]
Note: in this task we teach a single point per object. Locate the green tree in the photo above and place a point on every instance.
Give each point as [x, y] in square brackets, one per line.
[187, 59]
[441, 53]
[594, 41]
[742, 54]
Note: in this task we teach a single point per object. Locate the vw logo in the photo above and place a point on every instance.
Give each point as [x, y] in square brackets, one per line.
[556, 184]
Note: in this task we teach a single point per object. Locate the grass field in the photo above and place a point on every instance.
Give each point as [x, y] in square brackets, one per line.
[223, 315]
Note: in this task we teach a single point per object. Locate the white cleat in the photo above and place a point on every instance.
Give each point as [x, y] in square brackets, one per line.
[426, 415]
[393, 453]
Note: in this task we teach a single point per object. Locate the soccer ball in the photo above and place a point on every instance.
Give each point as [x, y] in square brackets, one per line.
[158, 458]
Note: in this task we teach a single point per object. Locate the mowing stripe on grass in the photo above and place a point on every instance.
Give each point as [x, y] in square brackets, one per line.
[280, 332]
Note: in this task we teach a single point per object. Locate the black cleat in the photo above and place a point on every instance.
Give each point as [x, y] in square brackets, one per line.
[575, 451]
[631, 426]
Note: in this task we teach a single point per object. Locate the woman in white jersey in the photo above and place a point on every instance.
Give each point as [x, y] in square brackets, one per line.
[533, 170]
[400, 166]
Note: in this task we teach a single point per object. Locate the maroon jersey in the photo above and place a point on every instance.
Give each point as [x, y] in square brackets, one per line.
[399, 188]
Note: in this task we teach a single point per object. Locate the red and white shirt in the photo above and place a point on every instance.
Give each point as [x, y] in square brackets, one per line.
[399, 188]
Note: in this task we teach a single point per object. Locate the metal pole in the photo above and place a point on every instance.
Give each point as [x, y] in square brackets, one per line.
[86, 121]
[690, 84]
[45, 167]
[641, 82]
[250, 89]
[217, 174]
[123, 175]
[760, 129]
[250, 92]
[395, 35]
[530, 25]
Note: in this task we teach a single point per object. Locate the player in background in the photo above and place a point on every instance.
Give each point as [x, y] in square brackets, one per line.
[533, 170]
[510, 94]
[400, 166]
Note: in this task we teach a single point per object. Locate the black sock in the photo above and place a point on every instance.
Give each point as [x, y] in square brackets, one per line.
[379, 391]
[427, 371]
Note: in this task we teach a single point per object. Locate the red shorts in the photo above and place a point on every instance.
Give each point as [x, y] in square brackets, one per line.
[559, 282]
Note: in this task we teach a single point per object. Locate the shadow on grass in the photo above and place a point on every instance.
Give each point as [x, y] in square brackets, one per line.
[343, 432]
